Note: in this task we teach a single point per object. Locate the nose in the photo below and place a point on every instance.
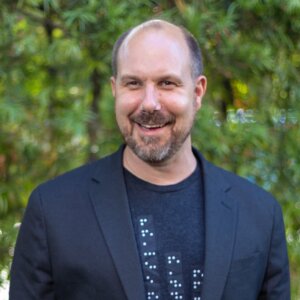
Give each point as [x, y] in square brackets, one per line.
[150, 101]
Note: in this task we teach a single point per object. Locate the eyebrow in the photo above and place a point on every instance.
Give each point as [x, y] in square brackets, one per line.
[125, 78]
[171, 77]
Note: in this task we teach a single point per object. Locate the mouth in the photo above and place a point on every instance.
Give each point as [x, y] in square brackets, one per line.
[151, 126]
[152, 122]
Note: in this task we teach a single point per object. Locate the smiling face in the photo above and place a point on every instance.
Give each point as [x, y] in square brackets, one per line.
[156, 96]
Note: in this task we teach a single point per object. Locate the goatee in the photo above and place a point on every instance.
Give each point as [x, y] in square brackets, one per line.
[150, 148]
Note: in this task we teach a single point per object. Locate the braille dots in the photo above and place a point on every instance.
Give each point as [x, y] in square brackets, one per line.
[176, 295]
[152, 296]
[149, 257]
[143, 221]
[173, 259]
[197, 280]
[174, 275]
[150, 253]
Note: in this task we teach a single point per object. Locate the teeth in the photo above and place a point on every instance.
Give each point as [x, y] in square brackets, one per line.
[151, 126]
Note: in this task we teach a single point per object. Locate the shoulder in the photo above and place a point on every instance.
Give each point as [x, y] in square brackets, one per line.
[242, 190]
[77, 180]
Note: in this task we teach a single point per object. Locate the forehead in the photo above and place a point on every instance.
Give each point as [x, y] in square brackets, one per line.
[154, 47]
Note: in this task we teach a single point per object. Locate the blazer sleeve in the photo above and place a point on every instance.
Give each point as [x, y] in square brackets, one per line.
[31, 276]
[277, 279]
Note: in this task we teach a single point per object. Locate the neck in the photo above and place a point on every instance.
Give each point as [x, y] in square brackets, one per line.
[172, 171]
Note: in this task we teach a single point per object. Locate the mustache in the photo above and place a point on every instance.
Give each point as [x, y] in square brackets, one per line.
[152, 118]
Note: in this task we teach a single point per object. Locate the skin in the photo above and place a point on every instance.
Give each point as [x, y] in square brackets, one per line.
[156, 100]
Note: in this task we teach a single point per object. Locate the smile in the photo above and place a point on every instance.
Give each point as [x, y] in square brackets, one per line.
[152, 126]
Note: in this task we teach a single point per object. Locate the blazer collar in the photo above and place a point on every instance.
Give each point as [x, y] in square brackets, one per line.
[109, 197]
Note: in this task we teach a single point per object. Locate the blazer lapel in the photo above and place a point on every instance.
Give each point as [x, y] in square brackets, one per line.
[109, 198]
[220, 228]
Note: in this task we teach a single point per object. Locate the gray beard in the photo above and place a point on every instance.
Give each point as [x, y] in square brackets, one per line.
[152, 152]
[150, 149]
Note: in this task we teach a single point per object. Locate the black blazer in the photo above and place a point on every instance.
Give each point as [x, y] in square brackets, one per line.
[77, 241]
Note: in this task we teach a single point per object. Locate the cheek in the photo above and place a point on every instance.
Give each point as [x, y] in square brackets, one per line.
[179, 107]
[126, 104]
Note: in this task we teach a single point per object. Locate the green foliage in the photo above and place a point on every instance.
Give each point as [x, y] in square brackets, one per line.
[57, 112]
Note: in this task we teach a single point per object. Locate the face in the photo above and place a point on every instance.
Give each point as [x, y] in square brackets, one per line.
[156, 96]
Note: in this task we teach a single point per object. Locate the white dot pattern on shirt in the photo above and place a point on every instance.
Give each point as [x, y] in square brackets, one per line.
[197, 281]
[149, 257]
[173, 263]
[174, 275]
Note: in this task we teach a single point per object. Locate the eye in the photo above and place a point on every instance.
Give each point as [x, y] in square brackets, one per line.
[167, 84]
[133, 84]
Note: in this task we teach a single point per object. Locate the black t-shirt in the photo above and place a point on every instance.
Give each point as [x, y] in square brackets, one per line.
[169, 228]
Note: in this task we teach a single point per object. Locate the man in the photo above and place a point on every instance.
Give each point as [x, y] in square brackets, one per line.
[154, 220]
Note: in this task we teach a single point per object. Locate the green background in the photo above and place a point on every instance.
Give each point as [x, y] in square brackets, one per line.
[57, 112]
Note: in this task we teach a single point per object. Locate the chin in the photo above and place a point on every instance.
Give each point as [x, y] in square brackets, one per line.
[152, 152]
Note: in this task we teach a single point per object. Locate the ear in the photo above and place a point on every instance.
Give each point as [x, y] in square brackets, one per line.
[113, 85]
[200, 89]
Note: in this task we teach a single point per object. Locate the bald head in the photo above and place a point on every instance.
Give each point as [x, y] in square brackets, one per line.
[160, 25]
